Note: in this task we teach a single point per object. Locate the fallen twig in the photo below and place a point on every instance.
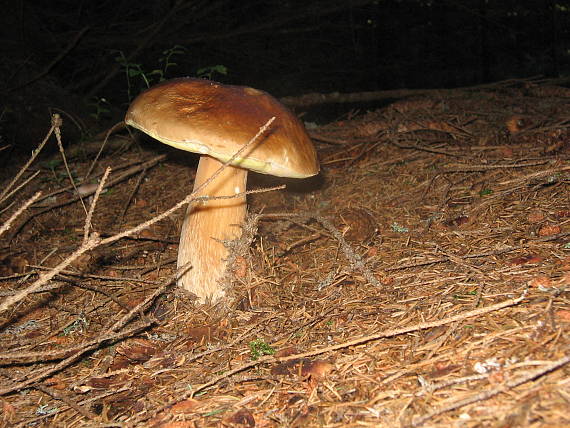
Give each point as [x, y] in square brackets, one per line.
[355, 342]
[6, 225]
[485, 395]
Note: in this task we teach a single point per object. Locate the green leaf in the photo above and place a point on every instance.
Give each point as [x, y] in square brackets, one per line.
[259, 348]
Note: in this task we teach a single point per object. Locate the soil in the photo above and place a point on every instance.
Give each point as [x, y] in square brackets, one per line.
[420, 280]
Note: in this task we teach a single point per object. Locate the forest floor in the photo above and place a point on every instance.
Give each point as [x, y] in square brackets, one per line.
[422, 279]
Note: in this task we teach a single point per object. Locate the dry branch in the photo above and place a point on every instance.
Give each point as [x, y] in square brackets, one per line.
[114, 181]
[490, 393]
[55, 123]
[355, 342]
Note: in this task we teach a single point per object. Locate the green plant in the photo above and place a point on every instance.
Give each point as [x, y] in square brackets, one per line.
[399, 229]
[258, 348]
[100, 107]
[209, 71]
[135, 71]
[57, 176]
[166, 60]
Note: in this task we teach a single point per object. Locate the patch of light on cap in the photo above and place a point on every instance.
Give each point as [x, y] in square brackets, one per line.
[237, 190]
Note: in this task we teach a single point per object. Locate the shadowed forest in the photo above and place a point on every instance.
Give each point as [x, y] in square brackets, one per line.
[415, 273]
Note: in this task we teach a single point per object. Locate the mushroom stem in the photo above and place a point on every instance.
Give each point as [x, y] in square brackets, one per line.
[205, 224]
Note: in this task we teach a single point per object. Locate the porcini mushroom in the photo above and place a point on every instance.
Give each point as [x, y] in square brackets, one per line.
[216, 120]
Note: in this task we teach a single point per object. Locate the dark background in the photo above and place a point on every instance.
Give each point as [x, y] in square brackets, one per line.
[89, 58]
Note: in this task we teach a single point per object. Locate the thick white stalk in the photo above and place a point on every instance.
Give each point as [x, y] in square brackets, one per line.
[205, 224]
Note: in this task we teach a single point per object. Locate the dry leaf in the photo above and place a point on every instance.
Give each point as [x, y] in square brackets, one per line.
[138, 350]
[357, 225]
[146, 233]
[531, 258]
[457, 221]
[185, 406]
[317, 369]
[535, 217]
[442, 370]
[120, 362]
[441, 126]
[111, 382]
[177, 424]
[56, 382]
[285, 352]
[242, 417]
[540, 281]
[8, 412]
[515, 124]
[205, 334]
[549, 230]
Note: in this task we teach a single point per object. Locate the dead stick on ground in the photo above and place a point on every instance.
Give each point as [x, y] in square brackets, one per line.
[29, 357]
[35, 153]
[22, 185]
[70, 360]
[129, 172]
[479, 168]
[478, 255]
[5, 226]
[67, 400]
[57, 132]
[355, 259]
[88, 245]
[87, 225]
[108, 335]
[485, 395]
[132, 196]
[93, 399]
[115, 127]
[119, 167]
[359, 341]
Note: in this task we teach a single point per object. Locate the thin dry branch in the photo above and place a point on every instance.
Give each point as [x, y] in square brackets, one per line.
[485, 395]
[67, 400]
[55, 123]
[6, 225]
[114, 181]
[57, 132]
[110, 334]
[355, 342]
[355, 260]
[92, 242]
[19, 187]
[116, 127]
[100, 187]
[72, 43]
[309, 100]
[70, 360]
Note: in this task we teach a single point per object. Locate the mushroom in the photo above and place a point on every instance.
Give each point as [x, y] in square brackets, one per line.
[216, 120]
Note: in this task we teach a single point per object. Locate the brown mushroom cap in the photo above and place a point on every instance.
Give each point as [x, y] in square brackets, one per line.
[206, 117]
